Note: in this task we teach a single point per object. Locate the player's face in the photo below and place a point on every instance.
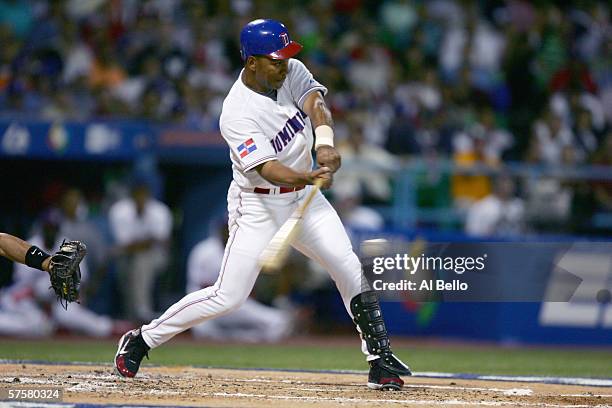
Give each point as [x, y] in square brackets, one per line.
[269, 73]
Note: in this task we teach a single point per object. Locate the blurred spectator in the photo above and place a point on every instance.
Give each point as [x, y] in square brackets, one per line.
[551, 53]
[592, 24]
[78, 55]
[432, 188]
[576, 74]
[369, 73]
[8, 54]
[354, 215]
[486, 49]
[552, 141]
[520, 14]
[253, 321]
[549, 198]
[567, 104]
[21, 313]
[422, 95]
[603, 189]
[500, 213]
[455, 41]
[372, 184]
[601, 70]
[399, 17]
[497, 139]
[105, 70]
[586, 135]
[141, 226]
[77, 226]
[483, 144]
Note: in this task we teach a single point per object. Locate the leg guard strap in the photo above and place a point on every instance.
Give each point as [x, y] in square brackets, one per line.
[368, 317]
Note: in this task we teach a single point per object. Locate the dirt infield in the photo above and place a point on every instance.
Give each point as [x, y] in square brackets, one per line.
[95, 384]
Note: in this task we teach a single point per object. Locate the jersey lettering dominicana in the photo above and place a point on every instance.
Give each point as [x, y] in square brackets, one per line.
[258, 128]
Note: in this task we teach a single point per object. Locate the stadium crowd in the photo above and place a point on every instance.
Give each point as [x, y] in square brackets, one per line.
[474, 82]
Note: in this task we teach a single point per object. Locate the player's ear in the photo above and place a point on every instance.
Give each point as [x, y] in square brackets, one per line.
[251, 62]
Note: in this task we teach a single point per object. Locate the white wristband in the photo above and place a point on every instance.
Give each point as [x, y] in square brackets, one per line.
[324, 135]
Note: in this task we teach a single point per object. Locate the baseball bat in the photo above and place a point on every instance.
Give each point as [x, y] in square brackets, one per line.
[275, 254]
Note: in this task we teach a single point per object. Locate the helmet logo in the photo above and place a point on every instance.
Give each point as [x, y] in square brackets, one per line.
[285, 38]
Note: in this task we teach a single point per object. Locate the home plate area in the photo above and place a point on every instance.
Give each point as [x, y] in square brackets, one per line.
[96, 385]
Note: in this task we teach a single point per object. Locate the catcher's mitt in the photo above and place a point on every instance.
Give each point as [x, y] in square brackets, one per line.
[65, 271]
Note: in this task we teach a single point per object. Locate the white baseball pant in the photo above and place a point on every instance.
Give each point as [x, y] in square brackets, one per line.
[253, 220]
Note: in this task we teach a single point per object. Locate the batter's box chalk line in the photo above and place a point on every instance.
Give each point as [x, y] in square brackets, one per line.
[582, 381]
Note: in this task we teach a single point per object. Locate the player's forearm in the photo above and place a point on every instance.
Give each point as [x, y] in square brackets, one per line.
[13, 248]
[277, 173]
[16, 249]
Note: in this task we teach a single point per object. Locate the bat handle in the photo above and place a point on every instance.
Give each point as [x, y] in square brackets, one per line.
[318, 183]
[313, 191]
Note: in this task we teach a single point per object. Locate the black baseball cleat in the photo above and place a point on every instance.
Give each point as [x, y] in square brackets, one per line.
[132, 349]
[380, 378]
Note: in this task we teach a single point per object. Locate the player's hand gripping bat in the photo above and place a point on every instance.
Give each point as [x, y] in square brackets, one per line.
[275, 254]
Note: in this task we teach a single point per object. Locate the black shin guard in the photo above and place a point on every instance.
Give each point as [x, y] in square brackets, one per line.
[368, 317]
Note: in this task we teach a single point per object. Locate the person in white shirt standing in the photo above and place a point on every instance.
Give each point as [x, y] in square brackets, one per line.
[500, 213]
[141, 227]
[267, 120]
[252, 322]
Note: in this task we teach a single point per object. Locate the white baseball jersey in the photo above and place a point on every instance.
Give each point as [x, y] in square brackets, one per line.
[258, 128]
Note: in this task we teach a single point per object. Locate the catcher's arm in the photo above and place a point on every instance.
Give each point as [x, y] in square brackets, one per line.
[63, 266]
[18, 250]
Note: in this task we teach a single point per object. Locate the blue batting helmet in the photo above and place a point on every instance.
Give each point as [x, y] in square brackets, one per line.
[267, 37]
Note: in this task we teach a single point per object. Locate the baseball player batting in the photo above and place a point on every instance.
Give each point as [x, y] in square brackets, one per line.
[267, 120]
